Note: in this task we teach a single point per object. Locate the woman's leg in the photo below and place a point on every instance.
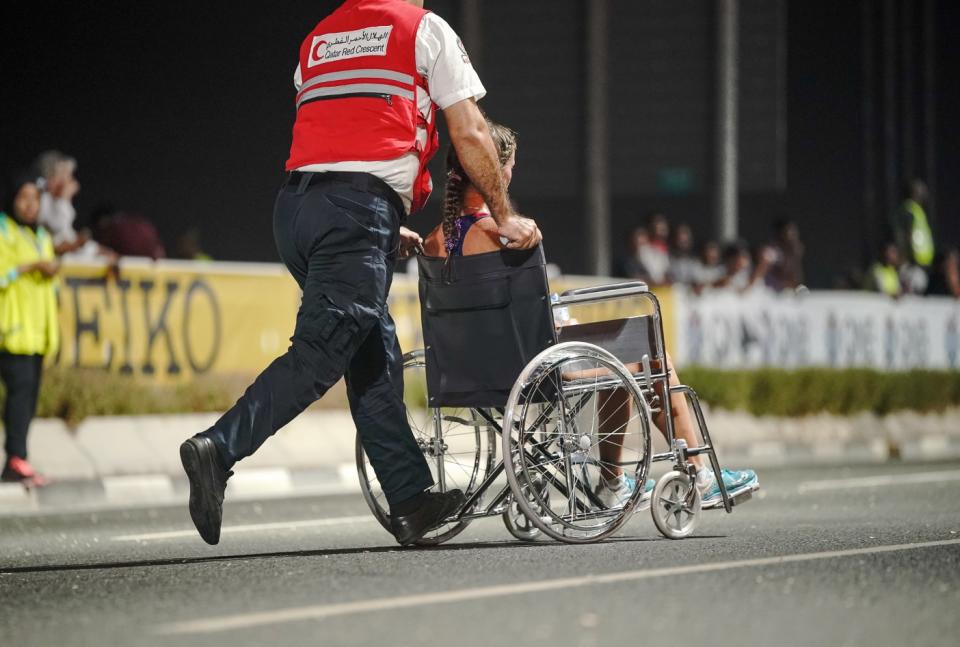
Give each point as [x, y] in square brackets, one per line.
[21, 376]
[613, 413]
[680, 412]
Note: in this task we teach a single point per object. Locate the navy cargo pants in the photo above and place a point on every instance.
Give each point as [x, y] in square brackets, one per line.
[339, 238]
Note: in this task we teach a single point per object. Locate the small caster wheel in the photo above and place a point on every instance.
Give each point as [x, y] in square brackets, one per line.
[517, 523]
[676, 505]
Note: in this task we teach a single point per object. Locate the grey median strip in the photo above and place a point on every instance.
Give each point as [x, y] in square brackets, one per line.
[297, 614]
[880, 481]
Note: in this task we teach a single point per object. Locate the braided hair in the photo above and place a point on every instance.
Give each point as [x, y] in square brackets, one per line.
[505, 141]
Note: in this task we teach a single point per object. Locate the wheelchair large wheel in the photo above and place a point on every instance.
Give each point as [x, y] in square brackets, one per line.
[460, 456]
[574, 414]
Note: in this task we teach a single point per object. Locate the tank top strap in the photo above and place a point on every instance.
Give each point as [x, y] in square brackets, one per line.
[461, 226]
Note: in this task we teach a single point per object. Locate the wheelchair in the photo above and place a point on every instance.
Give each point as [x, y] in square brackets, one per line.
[523, 400]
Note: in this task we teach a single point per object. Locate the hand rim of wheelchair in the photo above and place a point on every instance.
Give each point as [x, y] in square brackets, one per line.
[674, 496]
[414, 360]
[517, 476]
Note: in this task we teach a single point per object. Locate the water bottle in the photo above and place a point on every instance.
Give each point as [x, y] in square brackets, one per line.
[561, 315]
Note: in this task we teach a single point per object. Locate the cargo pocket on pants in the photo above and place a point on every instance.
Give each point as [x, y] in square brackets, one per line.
[330, 333]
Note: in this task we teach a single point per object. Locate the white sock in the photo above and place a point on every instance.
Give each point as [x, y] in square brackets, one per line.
[615, 483]
[704, 477]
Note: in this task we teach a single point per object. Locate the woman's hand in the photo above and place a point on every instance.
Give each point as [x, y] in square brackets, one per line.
[47, 268]
[410, 241]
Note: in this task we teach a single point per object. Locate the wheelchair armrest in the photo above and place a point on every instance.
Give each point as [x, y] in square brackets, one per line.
[599, 292]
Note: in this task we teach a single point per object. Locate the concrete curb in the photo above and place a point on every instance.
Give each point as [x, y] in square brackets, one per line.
[135, 459]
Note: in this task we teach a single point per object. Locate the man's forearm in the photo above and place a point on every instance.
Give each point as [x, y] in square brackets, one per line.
[483, 168]
[478, 156]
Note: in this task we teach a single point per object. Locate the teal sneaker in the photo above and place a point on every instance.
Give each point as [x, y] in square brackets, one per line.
[615, 494]
[736, 482]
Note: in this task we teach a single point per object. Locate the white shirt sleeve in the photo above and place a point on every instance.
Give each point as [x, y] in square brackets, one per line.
[443, 60]
[298, 78]
[57, 215]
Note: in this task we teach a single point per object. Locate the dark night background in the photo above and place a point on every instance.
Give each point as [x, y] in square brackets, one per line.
[182, 111]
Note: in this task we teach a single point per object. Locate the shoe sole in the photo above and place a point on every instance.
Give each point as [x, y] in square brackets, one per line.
[201, 484]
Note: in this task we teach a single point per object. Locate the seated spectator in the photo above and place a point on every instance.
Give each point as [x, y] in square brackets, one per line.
[189, 247]
[630, 266]
[884, 275]
[684, 265]
[763, 259]
[654, 254]
[127, 234]
[736, 266]
[945, 280]
[786, 272]
[711, 268]
[57, 213]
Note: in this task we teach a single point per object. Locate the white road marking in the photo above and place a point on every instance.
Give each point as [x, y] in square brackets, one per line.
[297, 614]
[259, 527]
[880, 481]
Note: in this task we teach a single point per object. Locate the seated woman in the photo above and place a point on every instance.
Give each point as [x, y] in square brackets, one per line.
[466, 229]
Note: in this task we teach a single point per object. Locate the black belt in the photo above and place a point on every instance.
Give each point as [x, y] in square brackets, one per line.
[359, 181]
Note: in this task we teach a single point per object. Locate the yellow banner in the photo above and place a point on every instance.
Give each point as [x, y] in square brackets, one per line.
[173, 320]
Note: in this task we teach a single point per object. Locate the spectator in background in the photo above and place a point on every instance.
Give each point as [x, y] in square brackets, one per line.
[945, 280]
[711, 266]
[654, 254]
[189, 247]
[736, 267]
[28, 319]
[127, 234]
[910, 228]
[684, 265]
[59, 185]
[630, 267]
[884, 275]
[786, 271]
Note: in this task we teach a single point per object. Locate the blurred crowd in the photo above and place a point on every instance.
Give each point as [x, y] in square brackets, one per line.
[111, 232]
[909, 261]
[38, 228]
[661, 255]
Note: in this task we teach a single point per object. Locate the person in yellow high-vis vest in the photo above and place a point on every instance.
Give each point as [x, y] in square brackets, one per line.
[911, 229]
[28, 320]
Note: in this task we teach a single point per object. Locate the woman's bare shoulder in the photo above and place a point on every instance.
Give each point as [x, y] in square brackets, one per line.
[483, 237]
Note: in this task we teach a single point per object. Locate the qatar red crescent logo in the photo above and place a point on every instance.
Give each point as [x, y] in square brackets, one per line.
[319, 50]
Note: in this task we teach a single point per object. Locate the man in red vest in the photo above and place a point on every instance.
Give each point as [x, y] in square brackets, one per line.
[369, 80]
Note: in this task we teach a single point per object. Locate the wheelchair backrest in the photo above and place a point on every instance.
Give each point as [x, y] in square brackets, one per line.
[484, 317]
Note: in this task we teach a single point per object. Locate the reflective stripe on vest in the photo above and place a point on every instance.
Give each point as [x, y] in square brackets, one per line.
[375, 89]
[921, 238]
[357, 75]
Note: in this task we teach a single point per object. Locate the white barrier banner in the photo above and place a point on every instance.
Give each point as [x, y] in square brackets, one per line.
[833, 329]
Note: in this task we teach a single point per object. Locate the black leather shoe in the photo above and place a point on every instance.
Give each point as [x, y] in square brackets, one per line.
[437, 506]
[207, 482]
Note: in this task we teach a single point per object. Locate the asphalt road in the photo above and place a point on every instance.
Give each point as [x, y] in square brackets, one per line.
[826, 556]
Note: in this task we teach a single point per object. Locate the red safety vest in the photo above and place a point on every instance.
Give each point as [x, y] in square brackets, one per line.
[358, 100]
